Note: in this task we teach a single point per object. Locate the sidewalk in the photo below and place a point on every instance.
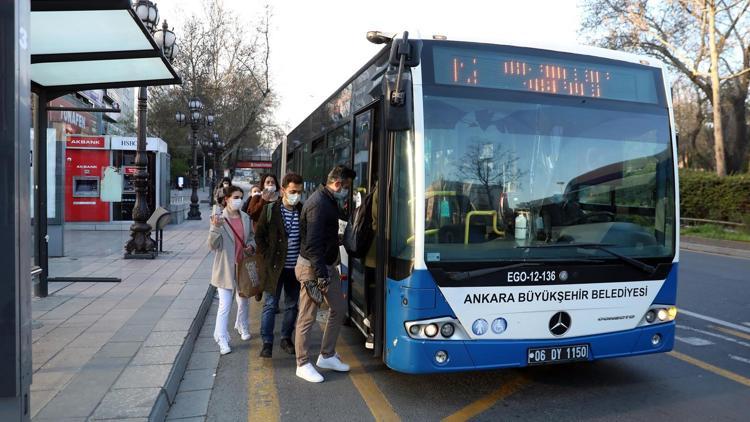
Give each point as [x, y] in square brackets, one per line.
[721, 247]
[119, 350]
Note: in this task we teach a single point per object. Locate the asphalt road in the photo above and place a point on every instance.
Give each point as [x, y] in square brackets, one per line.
[707, 377]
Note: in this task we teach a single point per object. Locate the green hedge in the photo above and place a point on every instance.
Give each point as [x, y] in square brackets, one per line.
[705, 195]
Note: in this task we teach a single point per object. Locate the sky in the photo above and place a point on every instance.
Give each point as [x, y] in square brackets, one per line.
[316, 45]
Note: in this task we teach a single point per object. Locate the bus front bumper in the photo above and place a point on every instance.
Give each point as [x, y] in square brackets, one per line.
[408, 355]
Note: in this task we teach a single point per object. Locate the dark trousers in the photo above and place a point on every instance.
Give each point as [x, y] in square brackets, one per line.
[288, 282]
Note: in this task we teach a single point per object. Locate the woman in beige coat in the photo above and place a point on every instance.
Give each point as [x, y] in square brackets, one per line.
[230, 236]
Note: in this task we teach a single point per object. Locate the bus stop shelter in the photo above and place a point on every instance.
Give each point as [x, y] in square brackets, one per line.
[109, 48]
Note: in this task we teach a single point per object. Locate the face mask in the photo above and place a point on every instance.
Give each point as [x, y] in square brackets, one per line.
[256, 193]
[342, 194]
[226, 185]
[292, 199]
[235, 203]
[271, 188]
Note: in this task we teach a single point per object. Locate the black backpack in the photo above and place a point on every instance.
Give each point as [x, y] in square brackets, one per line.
[359, 234]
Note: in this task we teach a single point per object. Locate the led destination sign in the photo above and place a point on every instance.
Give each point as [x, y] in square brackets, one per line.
[518, 72]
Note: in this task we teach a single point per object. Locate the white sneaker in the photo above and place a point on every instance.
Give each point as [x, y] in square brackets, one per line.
[224, 347]
[308, 373]
[334, 362]
[244, 333]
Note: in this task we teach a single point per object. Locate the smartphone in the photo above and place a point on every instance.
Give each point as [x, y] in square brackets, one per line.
[217, 211]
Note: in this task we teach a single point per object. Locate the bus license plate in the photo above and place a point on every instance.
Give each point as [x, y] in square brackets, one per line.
[541, 355]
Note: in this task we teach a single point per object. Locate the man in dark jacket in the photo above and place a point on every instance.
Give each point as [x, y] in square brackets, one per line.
[278, 238]
[316, 270]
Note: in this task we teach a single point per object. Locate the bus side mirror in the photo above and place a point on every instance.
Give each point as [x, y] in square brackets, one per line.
[404, 54]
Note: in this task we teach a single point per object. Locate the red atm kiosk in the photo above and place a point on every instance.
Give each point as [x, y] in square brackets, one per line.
[85, 160]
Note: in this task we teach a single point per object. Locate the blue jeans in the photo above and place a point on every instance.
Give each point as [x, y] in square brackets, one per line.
[287, 281]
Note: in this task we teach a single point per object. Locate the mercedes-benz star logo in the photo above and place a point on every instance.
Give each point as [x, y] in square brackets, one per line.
[559, 323]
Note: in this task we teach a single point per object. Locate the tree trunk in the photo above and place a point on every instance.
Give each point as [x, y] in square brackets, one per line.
[720, 157]
[737, 135]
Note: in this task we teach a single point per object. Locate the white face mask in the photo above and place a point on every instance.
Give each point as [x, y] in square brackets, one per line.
[235, 203]
[256, 193]
[271, 188]
[292, 199]
[226, 185]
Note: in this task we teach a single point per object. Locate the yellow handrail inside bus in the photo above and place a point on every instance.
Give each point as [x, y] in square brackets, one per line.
[480, 213]
[428, 232]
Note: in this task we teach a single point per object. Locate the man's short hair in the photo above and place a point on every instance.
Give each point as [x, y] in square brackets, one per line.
[291, 178]
[341, 172]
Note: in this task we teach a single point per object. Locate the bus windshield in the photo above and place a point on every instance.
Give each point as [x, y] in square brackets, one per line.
[504, 175]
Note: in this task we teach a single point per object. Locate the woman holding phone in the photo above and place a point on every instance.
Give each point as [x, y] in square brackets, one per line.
[270, 193]
[231, 237]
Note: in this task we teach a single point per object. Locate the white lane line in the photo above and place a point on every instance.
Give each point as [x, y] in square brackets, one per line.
[746, 323]
[739, 358]
[694, 341]
[708, 333]
[737, 327]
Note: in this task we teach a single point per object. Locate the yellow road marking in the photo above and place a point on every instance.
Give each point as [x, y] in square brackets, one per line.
[731, 332]
[263, 400]
[376, 401]
[509, 387]
[711, 368]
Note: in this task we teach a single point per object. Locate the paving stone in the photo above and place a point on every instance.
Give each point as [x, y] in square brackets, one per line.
[39, 399]
[176, 324]
[132, 333]
[166, 338]
[198, 379]
[204, 360]
[147, 316]
[143, 376]
[119, 349]
[86, 389]
[189, 403]
[156, 355]
[94, 339]
[127, 403]
[205, 344]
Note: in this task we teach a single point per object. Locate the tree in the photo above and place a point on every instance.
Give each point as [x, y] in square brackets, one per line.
[226, 66]
[490, 165]
[690, 113]
[707, 41]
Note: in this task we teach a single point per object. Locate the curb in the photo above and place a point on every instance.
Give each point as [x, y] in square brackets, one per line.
[719, 250]
[169, 390]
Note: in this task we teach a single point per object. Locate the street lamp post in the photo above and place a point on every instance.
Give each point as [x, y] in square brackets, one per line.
[141, 245]
[197, 121]
[215, 148]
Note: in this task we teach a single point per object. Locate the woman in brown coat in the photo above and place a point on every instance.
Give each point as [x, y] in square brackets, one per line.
[270, 186]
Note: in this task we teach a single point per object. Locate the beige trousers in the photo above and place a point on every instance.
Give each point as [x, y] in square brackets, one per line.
[308, 310]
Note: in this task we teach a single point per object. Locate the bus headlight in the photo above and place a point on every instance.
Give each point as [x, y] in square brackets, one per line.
[447, 330]
[662, 314]
[431, 330]
[427, 329]
[672, 312]
[658, 314]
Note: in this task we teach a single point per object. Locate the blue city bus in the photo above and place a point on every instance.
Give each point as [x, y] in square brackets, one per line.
[526, 202]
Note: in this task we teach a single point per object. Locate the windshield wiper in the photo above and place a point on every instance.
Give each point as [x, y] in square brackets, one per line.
[649, 269]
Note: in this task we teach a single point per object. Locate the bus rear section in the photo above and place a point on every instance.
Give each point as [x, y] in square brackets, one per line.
[533, 212]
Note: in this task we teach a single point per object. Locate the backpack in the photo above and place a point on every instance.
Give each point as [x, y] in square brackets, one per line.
[359, 234]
